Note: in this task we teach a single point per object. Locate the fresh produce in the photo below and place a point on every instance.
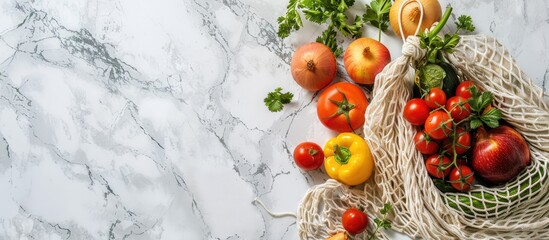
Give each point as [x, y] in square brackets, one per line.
[354, 221]
[313, 66]
[338, 236]
[438, 165]
[382, 223]
[424, 143]
[459, 108]
[321, 11]
[462, 178]
[275, 100]
[411, 16]
[499, 154]
[364, 59]
[308, 156]
[463, 89]
[438, 125]
[483, 112]
[341, 107]
[458, 143]
[377, 13]
[435, 98]
[348, 159]
[416, 111]
[450, 81]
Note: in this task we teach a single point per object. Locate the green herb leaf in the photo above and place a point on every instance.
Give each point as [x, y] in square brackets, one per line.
[275, 100]
[475, 123]
[377, 13]
[432, 76]
[386, 208]
[450, 42]
[290, 21]
[321, 11]
[466, 23]
[328, 38]
[491, 117]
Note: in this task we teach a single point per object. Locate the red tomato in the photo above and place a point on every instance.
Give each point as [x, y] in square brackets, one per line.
[416, 111]
[354, 221]
[435, 98]
[438, 166]
[438, 125]
[459, 108]
[462, 139]
[308, 156]
[462, 178]
[341, 107]
[463, 89]
[425, 144]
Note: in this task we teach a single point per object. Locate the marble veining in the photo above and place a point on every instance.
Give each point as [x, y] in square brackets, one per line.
[145, 119]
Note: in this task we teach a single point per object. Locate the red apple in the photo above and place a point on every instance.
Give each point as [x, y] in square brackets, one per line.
[364, 59]
[499, 154]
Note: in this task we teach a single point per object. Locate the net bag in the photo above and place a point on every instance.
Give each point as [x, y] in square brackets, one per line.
[516, 210]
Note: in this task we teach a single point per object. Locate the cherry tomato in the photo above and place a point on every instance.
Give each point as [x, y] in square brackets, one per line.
[462, 140]
[459, 108]
[438, 165]
[464, 89]
[416, 111]
[425, 144]
[435, 98]
[341, 107]
[308, 156]
[354, 221]
[461, 178]
[438, 125]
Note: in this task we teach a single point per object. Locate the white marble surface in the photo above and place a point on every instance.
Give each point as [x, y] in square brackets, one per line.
[140, 119]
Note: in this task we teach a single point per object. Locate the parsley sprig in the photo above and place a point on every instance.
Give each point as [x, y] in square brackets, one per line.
[377, 13]
[382, 223]
[435, 44]
[275, 100]
[321, 11]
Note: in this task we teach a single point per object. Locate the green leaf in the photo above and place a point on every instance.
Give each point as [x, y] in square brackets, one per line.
[290, 21]
[328, 38]
[475, 123]
[466, 23]
[450, 42]
[275, 100]
[491, 117]
[432, 76]
[377, 13]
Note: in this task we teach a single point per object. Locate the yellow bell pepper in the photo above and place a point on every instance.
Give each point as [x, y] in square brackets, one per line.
[348, 159]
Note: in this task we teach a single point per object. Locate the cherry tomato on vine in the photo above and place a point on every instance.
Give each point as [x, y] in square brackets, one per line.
[464, 89]
[459, 108]
[462, 178]
[425, 144]
[354, 221]
[438, 165]
[438, 125]
[462, 141]
[416, 111]
[435, 98]
[308, 156]
[341, 107]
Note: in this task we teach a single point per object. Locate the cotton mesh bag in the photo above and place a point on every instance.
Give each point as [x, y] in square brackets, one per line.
[517, 210]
